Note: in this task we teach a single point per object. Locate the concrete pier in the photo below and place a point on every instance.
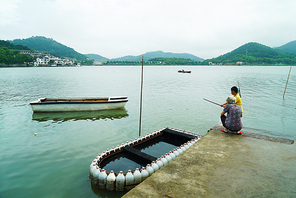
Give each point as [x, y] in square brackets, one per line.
[226, 165]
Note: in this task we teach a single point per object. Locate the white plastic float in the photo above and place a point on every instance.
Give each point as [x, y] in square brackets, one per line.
[120, 181]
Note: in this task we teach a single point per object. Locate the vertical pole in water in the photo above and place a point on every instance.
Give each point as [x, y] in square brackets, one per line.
[287, 82]
[239, 91]
[141, 96]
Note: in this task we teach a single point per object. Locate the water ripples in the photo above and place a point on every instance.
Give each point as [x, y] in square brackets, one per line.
[55, 162]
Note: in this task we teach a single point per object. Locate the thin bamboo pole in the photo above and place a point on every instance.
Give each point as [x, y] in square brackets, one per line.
[140, 123]
[239, 90]
[287, 82]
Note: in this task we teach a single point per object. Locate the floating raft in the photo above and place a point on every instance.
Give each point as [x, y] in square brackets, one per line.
[119, 180]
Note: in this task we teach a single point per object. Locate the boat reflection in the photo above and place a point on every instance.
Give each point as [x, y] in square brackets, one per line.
[83, 115]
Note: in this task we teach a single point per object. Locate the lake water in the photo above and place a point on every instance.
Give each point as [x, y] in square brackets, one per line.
[55, 163]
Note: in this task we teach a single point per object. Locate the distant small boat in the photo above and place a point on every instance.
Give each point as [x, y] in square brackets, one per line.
[183, 71]
[78, 104]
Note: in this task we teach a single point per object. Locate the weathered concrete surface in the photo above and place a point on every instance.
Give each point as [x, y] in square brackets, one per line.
[259, 136]
[225, 165]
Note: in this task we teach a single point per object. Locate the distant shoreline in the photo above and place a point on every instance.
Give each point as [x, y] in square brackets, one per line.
[15, 65]
[25, 65]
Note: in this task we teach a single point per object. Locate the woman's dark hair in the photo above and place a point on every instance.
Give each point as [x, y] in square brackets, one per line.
[235, 89]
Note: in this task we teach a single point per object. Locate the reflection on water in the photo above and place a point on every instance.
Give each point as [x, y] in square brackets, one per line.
[159, 149]
[83, 115]
[155, 148]
[124, 162]
[121, 163]
[105, 194]
[56, 161]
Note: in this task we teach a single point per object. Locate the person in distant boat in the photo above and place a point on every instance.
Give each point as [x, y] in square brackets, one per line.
[231, 122]
[234, 92]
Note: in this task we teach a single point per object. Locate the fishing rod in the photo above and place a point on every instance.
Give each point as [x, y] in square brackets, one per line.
[212, 102]
[287, 82]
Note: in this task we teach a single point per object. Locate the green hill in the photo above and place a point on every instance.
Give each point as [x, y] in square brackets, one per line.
[12, 46]
[9, 53]
[41, 43]
[97, 57]
[158, 54]
[255, 53]
[289, 47]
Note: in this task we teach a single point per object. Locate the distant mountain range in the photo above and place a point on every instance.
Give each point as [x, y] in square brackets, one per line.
[159, 54]
[147, 56]
[246, 52]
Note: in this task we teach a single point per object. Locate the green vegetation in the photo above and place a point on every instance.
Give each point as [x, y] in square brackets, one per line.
[86, 62]
[12, 46]
[124, 63]
[174, 61]
[249, 54]
[157, 54]
[289, 47]
[41, 43]
[157, 61]
[97, 57]
[254, 54]
[9, 53]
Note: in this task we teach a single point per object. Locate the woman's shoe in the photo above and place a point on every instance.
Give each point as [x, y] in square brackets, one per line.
[238, 133]
[224, 130]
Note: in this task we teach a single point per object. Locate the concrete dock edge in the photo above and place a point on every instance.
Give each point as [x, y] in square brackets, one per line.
[225, 165]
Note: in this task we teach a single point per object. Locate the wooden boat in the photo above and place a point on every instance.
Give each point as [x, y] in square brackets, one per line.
[183, 71]
[78, 104]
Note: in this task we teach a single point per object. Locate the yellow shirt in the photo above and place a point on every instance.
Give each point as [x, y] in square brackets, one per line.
[238, 101]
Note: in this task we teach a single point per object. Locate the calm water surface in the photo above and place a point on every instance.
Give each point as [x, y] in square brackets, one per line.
[55, 163]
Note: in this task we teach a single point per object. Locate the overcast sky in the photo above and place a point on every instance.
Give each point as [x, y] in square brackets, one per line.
[115, 28]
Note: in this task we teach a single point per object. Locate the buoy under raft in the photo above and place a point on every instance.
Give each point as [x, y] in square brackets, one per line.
[112, 169]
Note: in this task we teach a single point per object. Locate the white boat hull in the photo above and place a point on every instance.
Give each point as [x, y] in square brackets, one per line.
[64, 105]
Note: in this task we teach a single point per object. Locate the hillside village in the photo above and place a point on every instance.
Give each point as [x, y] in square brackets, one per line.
[46, 59]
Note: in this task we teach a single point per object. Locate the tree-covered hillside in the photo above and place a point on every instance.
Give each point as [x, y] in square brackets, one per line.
[9, 53]
[97, 57]
[289, 47]
[41, 43]
[157, 61]
[255, 53]
[173, 61]
[12, 46]
[157, 54]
